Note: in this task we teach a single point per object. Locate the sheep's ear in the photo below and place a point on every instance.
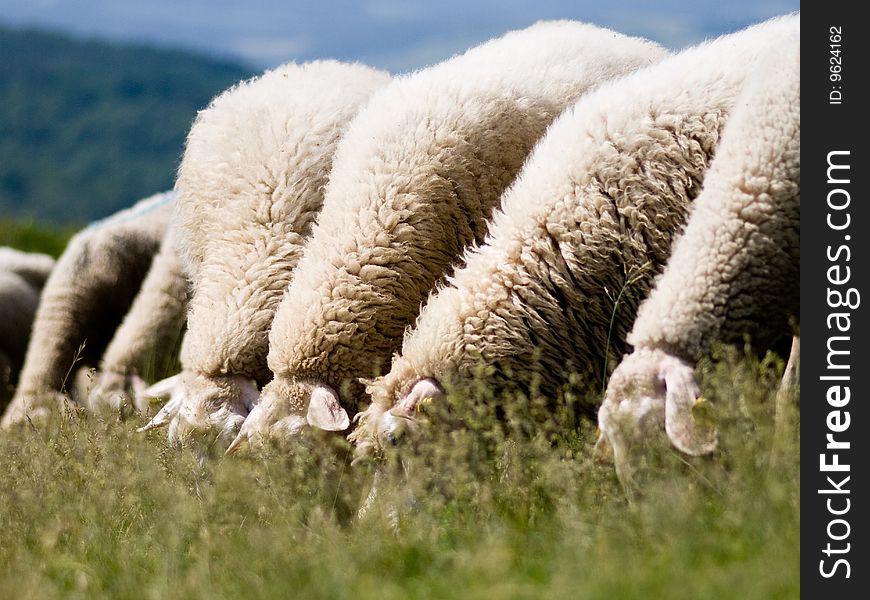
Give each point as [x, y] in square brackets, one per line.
[684, 431]
[325, 411]
[422, 393]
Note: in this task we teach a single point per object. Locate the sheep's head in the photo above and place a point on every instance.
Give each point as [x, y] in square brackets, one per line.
[384, 425]
[399, 421]
[651, 392]
[202, 404]
[286, 407]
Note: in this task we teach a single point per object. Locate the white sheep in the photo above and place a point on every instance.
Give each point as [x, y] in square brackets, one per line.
[83, 301]
[733, 273]
[146, 343]
[22, 276]
[250, 187]
[415, 180]
[33, 267]
[545, 303]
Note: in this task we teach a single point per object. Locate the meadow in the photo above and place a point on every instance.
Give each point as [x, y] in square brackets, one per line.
[517, 507]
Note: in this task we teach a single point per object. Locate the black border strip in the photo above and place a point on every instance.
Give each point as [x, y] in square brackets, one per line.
[834, 230]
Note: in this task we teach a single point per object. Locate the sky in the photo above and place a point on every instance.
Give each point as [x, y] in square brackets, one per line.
[391, 34]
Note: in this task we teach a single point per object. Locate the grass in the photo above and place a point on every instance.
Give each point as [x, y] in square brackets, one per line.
[31, 236]
[89, 509]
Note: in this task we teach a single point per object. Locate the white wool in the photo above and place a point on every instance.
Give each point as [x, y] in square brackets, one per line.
[146, 343]
[33, 267]
[603, 193]
[733, 273]
[85, 298]
[250, 186]
[415, 180]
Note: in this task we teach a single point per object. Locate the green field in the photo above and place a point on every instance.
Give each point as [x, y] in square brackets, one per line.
[90, 509]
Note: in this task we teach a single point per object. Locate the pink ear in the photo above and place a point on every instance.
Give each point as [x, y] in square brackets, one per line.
[684, 432]
[325, 411]
[423, 391]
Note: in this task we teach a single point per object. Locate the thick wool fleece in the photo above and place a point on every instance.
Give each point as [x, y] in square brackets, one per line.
[587, 224]
[85, 298]
[733, 273]
[415, 180]
[250, 186]
[22, 276]
[148, 338]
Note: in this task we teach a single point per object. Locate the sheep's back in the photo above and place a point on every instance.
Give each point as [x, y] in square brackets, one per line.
[601, 199]
[414, 181]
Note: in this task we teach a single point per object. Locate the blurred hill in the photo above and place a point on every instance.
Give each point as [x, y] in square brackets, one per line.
[88, 127]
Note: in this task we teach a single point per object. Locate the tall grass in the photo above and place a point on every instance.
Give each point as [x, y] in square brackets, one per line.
[507, 509]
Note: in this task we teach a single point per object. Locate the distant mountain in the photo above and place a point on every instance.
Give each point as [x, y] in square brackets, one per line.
[88, 127]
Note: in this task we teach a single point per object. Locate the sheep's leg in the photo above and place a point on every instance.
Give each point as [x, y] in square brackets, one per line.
[83, 301]
[372, 497]
[210, 408]
[788, 395]
[787, 400]
[148, 337]
[167, 390]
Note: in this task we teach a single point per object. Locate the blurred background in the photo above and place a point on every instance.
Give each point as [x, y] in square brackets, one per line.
[96, 96]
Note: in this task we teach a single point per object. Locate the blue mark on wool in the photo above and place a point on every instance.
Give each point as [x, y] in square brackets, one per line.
[143, 207]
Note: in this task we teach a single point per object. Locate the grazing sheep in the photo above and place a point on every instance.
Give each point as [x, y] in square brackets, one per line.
[733, 273]
[250, 187]
[415, 180]
[33, 267]
[22, 276]
[84, 300]
[147, 340]
[546, 302]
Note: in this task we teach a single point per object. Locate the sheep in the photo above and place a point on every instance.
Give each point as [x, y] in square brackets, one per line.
[84, 299]
[33, 267]
[733, 273]
[415, 180]
[250, 187]
[22, 276]
[18, 302]
[545, 302]
[148, 338]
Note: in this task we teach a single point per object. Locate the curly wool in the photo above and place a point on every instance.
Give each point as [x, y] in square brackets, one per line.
[250, 187]
[734, 273]
[596, 206]
[85, 298]
[415, 180]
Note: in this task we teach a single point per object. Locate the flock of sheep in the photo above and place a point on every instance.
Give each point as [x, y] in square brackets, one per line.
[343, 246]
